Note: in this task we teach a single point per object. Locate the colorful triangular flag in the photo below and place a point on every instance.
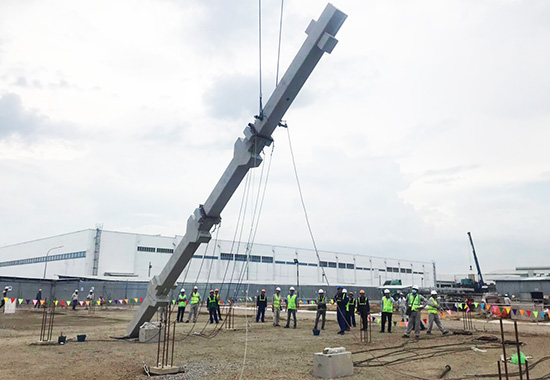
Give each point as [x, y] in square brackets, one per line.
[20, 301]
[42, 302]
[521, 312]
[536, 313]
[81, 303]
[34, 302]
[528, 313]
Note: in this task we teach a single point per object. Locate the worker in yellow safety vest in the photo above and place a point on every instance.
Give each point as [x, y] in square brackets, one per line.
[212, 305]
[386, 306]
[433, 314]
[415, 304]
[182, 302]
[195, 303]
[291, 306]
[217, 294]
[276, 307]
[261, 303]
[350, 311]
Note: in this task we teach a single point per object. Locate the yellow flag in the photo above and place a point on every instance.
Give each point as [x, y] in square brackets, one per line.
[135, 300]
[98, 303]
[126, 300]
[56, 302]
[87, 303]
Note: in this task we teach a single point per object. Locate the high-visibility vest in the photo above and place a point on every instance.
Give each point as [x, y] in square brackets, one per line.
[388, 305]
[322, 299]
[181, 300]
[276, 300]
[212, 302]
[261, 297]
[351, 303]
[362, 303]
[195, 297]
[432, 309]
[291, 301]
[218, 296]
[414, 301]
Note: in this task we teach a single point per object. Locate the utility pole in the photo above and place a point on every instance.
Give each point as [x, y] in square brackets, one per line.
[247, 155]
[150, 266]
[46, 260]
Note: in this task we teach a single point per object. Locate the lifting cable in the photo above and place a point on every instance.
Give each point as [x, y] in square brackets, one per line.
[261, 114]
[279, 48]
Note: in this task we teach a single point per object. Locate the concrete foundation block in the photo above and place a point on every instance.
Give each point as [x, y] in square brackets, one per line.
[332, 363]
[167, 370]
[150, 332]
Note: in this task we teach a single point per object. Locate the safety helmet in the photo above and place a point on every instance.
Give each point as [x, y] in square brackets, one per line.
[386, 291]
[278, 289]
[263, 290]
[292, 288]
[415, 287]
[344, 290]
[350, 293]
[361, 291]
[39, 290]
[321, 291]
[76, 290]
[211, 291]
[196, 288]
[433, 292]
[217, 290]
[339, 287]
[182, 290]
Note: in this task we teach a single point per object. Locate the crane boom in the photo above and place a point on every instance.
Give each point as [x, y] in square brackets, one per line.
[246, 155]
[481, 282]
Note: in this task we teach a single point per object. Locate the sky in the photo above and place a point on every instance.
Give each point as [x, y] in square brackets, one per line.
[428, 120]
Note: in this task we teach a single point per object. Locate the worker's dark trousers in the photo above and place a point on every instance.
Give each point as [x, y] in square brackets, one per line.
[341, 316]
[181, 311]
[351, 318]
[388, 317]
[320, 313]
[219, 313]
[213, 315]
[74, 304]
[291, 312]
[260, 314]
[364, 320]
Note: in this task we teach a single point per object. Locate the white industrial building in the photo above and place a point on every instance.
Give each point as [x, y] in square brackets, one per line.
[97, 253]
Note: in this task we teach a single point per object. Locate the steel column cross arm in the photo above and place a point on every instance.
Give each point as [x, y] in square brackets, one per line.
[246, 155]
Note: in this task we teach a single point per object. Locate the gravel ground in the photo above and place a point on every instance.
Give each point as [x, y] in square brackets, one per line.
[271, 353]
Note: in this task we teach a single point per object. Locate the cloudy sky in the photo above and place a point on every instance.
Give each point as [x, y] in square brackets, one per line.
[429, 119]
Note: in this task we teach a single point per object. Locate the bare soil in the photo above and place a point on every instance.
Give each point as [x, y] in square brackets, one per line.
[262, 352]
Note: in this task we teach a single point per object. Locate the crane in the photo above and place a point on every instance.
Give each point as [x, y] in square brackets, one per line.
[246, 156]
[478, 286]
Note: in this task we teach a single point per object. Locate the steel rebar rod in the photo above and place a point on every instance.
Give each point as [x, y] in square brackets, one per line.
[504, 348]
[518, 349]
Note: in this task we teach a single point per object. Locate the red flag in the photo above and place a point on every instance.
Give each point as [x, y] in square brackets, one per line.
[141, 300]
[62, 303]
[12, 300]
[528, 313]
[425, 321]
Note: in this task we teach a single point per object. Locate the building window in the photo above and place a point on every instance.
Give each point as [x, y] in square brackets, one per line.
[279, 262]
[267, 259]
[42, 259]
[332, 264]
[226, 256]
[165, 250]
[341, 265]
[146, 249]
[311, 265]
[210, 257]
[323, 264]
[350, 266]
[239, 257]
[255, 259]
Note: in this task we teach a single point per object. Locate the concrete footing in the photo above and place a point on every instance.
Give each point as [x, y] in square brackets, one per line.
[332, 363]
[166, 370]
[149, 332]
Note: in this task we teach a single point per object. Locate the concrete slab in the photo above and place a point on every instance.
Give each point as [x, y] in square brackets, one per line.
[166, 370]
[332, 363]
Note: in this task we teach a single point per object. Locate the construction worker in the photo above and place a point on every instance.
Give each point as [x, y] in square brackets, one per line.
[363, 307]
[291, 306]
[195, 303]
[261, 303]
[433, 314]
[90, 298]
[38, 298]
[212, 305]
[74, 298]
[321, 309]
[507, 300]
[416, 303]
[182, 302]
[341, 300]
[4, 296]
[350, 311]
[386, 306]
[217, 293]
[276, 307]
[402, 304]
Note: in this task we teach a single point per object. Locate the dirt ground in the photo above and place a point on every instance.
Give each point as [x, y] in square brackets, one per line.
[264, 352]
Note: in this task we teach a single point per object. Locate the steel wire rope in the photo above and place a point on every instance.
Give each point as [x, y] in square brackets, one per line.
[260, 55]
[279, 47]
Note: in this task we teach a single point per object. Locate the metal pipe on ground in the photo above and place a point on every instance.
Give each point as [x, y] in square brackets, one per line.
[445, 371]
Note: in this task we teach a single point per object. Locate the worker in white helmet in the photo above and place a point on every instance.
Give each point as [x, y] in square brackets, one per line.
[276, 307]
[195, 301]
[182, 302]
[291, 306]
[415, 303]
[74, 298]
[321, 309]
[386, 307]
[433, 314]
